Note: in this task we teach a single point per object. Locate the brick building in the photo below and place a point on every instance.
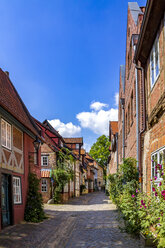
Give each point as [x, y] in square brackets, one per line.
[150, 57]
[54, 143]
[129, 106]
[135, 15]
[19, 152]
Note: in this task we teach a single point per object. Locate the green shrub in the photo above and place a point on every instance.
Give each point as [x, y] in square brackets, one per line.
[34, 211]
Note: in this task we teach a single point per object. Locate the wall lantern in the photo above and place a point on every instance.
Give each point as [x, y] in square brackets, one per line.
[37, 143]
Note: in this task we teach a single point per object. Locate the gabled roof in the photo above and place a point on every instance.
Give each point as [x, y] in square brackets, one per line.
[153, 15]
[47, 139]
[114, 126]
[135, 11]
[12, 102]
[89, 157]
[73, 140]
[52, 129]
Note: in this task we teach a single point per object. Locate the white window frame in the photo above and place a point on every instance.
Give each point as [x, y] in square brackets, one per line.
[77, 146]
[164, 25]
[157, 154]
[7, 137]
[42, 160]
[17, 194]
[44, 184]
[152, 83]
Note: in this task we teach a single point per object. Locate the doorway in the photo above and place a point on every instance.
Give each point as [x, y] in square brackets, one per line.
[6, 199]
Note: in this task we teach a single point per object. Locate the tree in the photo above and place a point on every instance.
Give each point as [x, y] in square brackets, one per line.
[100, 150]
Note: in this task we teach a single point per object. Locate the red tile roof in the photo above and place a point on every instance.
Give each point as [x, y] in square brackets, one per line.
[73, 140]
[114, 126]
[12, 102]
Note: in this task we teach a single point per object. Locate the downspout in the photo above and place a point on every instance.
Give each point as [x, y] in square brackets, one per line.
[123, 125]
[137, 119]
[138, 132]
[117, 150]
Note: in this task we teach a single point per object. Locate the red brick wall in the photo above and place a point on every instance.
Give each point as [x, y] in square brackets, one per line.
[154, 137]
[28, 147]
[130, 133]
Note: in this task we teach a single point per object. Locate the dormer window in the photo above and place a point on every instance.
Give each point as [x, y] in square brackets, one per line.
[77, 146]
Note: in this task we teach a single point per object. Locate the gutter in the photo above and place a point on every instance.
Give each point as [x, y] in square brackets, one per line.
[138, 132]
[122, 101]
[117, 150]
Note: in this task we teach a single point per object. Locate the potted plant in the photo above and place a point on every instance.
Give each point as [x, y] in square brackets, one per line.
[147, 239]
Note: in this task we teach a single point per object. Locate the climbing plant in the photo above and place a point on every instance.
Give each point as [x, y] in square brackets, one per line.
[63, 173]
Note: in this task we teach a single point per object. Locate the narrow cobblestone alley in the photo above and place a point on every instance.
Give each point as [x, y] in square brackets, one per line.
[88, 221]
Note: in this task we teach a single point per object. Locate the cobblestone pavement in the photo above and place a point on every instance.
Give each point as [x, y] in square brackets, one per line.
[89, 221]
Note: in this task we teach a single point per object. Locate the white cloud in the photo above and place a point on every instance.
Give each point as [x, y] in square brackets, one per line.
[116, 99]
[98, 106]
[87, 147]
[98, 121]
[66, 130]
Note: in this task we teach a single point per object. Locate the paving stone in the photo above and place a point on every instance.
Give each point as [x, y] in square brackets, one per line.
[89, 221]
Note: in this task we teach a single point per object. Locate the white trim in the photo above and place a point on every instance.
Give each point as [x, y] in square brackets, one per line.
[42, 160]
[157, 154]
[17, 190]
[161, 148]
[152, 53]
[7, 125]
[164, 25]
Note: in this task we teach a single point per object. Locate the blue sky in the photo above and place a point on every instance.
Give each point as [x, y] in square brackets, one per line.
[63, 56]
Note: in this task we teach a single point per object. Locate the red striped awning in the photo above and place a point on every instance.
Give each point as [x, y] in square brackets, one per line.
[45, 173]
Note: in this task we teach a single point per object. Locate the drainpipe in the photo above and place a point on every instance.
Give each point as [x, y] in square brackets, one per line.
[117, 150]
[122, 101]
[137, 119]
[138, 132]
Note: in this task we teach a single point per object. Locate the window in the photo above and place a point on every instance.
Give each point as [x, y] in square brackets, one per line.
[132, 108]
[44, 160]
[17, 190]
[126, 126]
[44, 185]
[154, 63]
[128, 118]
[157, 158]
[35, 156]
[77, 146]
[5, 134]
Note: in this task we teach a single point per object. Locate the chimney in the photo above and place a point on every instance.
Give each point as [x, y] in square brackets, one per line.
[7, 73]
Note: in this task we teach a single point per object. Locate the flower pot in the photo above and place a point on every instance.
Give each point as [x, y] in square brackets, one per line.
[147, 242]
